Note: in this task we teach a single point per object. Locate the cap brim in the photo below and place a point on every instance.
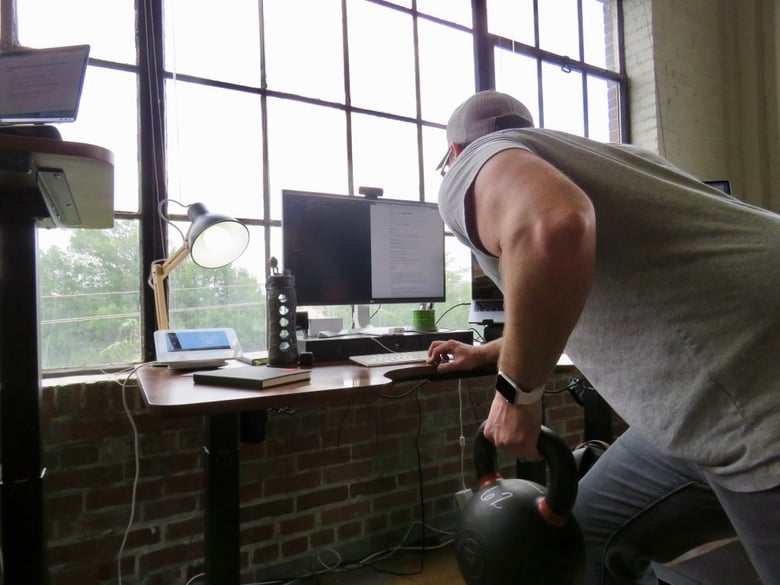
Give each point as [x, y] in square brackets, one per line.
[444, 159]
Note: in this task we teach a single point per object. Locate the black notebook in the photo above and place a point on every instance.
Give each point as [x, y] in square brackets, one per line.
[253, 377]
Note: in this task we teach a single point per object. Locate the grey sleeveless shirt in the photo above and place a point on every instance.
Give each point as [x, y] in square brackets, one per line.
[681, 330]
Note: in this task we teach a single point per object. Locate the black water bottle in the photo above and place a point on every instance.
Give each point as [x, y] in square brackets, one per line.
[280, 316]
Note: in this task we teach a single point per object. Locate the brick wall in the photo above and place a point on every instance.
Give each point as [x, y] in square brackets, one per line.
[343, 477]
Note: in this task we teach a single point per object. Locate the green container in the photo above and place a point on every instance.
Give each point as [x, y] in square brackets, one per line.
[424, 320]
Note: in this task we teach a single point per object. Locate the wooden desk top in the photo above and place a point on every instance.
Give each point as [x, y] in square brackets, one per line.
[170, 393]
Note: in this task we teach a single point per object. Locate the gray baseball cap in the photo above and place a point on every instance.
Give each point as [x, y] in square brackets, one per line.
[483, 113]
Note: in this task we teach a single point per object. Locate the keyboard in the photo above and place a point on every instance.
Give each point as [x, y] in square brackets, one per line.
[489, 305]
[390, 359]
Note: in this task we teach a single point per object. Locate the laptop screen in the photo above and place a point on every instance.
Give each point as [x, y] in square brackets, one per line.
[40, 86]
[482, 288]
[487, 301]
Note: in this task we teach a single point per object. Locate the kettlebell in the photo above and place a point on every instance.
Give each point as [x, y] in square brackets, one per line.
[514, 531]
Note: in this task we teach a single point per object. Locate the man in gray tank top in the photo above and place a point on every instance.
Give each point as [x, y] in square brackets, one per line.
[664, 293]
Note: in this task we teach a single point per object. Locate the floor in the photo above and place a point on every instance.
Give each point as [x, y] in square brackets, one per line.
[434, 567]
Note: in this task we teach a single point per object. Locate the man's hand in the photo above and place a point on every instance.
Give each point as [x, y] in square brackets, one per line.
[514, 428]
[451, 355]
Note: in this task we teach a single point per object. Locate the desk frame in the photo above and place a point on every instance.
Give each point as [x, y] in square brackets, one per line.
[167, 393]
[24, 540]
[88, 170]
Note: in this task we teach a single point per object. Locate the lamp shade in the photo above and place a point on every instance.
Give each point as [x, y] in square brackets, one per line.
[215, 240]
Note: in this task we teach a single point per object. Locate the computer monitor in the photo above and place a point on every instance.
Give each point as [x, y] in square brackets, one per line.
[345, 250]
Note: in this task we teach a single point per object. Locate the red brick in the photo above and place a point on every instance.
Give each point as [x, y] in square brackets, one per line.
[322, 538]
[298, 523]
[349, 511]
[323, 497]
[349, 530]
[295, 546]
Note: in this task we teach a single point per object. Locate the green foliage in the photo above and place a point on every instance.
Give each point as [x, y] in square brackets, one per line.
[89, 303]
[90, 300]
[224, 297]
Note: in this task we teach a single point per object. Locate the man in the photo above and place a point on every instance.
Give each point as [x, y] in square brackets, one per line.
[664, 293]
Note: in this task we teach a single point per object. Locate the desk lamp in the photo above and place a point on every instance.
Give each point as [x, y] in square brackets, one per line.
[212, 240]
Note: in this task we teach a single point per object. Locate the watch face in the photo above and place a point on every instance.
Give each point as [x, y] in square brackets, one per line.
[506, 389]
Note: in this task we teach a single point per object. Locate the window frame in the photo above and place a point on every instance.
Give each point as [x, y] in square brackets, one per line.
[152, 77]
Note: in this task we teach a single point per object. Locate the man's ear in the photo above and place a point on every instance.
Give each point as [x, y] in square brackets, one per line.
[456, 149]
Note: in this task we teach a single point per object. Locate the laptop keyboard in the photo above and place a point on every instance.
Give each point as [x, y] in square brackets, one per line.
[490, 305]
[390, 359]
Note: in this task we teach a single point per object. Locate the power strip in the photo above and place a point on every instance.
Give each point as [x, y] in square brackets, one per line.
[462, 497]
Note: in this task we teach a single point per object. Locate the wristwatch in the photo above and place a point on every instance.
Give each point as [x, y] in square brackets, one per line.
[514, 394]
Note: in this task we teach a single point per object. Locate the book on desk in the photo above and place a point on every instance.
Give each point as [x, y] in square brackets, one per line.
[251, 377]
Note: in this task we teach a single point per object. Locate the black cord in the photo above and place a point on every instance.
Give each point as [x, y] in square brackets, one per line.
[577, 388]
[450, 309]
[421, 491]
[477, 335]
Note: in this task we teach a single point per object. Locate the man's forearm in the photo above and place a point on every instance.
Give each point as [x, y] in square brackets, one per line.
[490, 351]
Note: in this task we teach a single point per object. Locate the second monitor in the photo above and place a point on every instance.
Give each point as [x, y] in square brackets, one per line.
[346, 250]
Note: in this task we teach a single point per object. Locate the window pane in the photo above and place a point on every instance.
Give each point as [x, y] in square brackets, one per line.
[513, 19]
[603, 110]
[614, 40]
[562, 94]
[404, 3]
[558, 30]
[209, 161]
[598, 109]
[442, 85]
[385, 155]
[89, 304]
[51, 23]
[434, 147]
[215, 41]
[315, 162]
[458, 286]
[108, 117]
[457, 11]
[381, 58]
[309, 62]
[594, 24]
[517, 76]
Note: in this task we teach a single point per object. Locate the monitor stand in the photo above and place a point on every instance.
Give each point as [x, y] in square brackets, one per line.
[361, 316]
[361, 322]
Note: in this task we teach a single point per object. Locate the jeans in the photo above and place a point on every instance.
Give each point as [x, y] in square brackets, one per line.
[636, 506]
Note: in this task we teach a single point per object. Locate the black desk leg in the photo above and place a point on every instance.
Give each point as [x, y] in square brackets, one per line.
[598, 417]
[222, 522]
[24, 537]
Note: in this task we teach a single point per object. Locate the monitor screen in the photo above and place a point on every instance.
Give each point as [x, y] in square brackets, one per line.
[346, 250]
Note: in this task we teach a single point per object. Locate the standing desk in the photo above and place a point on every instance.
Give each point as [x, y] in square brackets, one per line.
[39, 178]
[170, 393]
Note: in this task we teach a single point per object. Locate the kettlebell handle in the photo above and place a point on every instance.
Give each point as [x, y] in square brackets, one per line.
[562, 491]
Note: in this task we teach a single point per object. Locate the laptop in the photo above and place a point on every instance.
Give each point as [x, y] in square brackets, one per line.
[487, 301]
[41, 86]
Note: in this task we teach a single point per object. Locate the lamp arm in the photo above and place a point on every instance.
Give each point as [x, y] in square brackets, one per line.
[174, 260]
[161, 271]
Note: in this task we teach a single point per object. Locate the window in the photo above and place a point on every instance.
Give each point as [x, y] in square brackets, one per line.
[228, 104]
